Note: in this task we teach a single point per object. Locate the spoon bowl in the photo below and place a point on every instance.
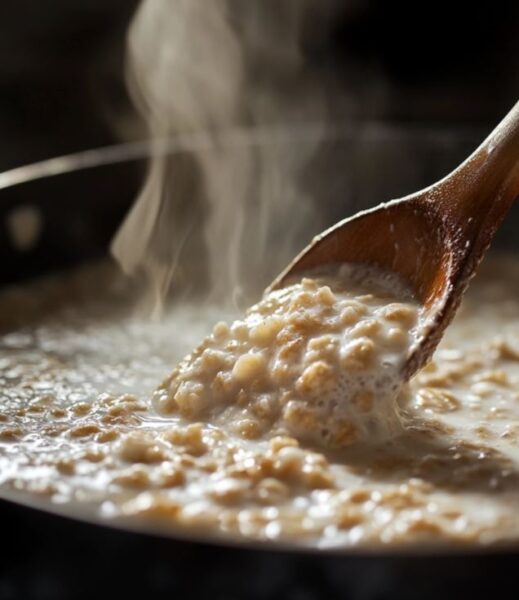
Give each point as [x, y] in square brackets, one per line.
[435, 238]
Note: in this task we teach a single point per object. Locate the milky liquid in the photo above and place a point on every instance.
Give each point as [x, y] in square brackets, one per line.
[78, 432]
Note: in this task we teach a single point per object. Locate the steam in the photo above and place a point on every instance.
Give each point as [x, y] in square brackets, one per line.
[228, 217]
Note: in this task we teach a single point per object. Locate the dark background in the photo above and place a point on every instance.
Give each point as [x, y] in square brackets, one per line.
[60, 76]
[433, 77]
[436, 63]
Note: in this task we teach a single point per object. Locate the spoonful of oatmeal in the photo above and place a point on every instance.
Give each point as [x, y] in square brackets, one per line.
[325, 355]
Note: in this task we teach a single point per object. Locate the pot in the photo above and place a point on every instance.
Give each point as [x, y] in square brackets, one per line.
[79, 202]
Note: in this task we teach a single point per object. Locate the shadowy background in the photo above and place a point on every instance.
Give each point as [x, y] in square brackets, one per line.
[421, 83]
[440, 62]
[61, 67]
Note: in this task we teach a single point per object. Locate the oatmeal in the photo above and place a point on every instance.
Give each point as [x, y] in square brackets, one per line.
[79, 434]
[320, 359]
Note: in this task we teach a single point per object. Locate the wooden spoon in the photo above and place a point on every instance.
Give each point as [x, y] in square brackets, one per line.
[434, 238]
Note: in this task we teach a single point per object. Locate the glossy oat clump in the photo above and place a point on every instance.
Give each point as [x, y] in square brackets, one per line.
[320, 360]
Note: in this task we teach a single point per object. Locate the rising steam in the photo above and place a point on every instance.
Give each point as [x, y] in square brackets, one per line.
[230, 217]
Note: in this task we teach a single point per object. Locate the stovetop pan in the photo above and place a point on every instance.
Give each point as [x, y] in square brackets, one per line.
[64, 554]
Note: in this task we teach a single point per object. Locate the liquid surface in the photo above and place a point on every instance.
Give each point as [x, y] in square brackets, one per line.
[77, 429]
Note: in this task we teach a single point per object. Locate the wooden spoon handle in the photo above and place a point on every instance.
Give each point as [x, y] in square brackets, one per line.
[487, 182]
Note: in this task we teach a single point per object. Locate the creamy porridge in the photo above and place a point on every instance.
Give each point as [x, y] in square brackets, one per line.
[281, 461]
[319, 360]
